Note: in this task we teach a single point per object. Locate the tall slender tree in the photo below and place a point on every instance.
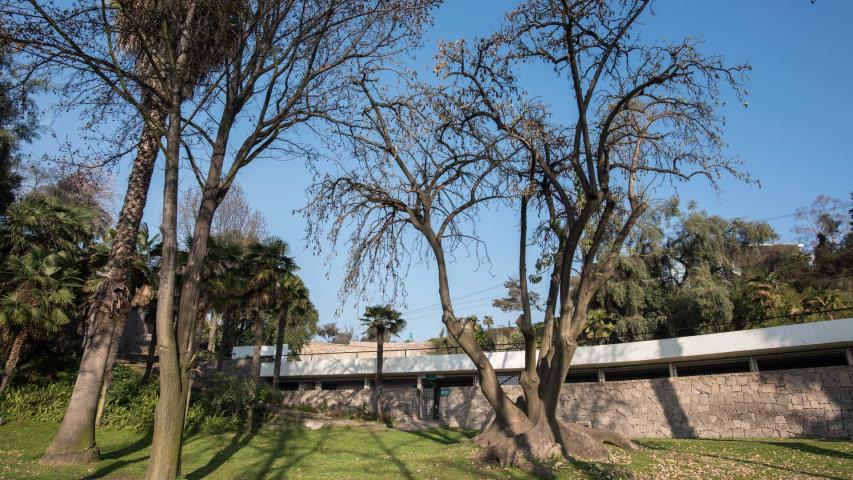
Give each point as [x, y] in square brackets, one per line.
[381, 322]
[267, 263]
[292, 303]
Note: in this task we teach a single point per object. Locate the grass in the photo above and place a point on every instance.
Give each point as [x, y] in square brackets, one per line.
[437, 454]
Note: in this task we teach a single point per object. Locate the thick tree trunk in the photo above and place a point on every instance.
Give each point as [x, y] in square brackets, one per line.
[12, 359]
[535, 443]
[75, 440]
[108, 373]
[279, 347]
[168, 417]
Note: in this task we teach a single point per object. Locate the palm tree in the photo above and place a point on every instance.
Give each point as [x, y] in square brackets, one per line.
[293, 302]
[826, 301]
[768, 292]
[226, 280]
[44, 241]
[381, 321]
[265, 263]
[220, 285]
[41, 300]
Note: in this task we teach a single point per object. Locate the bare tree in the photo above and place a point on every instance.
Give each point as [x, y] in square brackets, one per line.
[234, 218]
[822, 221]
[292, 65]
[425, 162]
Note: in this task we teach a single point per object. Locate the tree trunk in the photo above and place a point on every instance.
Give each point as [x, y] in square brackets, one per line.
[377, 387]
[279, 347]
[12, 359]
[211, 336]
[149, 359]
[168, 417]
[226, 342]
[256, 367]
[75, 440]
[108, 373]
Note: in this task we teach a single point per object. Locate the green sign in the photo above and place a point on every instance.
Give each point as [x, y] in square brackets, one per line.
[429, 377]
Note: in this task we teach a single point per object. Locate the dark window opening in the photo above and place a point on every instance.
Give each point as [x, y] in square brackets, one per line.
[582, 376]
[786, 361]
[713, 367]
[405, 382]
[643, 372]
[463, 381]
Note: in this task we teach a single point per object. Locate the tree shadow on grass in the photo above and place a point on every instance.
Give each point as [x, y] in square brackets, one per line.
[134, 447]
[265, 469]
[238, 441]
[405, 472]
[280, 444]
[813, 449]
[121, 453]
[441, 436]
[658, 447]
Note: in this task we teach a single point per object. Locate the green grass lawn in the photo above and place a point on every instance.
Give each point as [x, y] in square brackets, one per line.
[338, 453]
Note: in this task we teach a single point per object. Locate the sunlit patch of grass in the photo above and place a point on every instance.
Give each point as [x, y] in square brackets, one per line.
[436, 454]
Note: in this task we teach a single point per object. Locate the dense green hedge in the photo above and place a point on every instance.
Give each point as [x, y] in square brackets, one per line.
[220, 404]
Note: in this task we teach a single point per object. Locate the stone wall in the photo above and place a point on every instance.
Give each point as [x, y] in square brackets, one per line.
[814, 402]
[396, 402]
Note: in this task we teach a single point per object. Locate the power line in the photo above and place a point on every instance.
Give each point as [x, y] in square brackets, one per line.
[438, 305]
[468, 307]
[814, 210]
[435, 308]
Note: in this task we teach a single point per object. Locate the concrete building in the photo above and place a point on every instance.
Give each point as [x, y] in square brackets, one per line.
[783, 381]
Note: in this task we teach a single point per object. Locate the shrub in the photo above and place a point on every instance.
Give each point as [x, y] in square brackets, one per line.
[219, 405]
[40, 402]
[130, 403]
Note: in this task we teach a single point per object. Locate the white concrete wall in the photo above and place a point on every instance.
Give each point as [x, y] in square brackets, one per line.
[832, 333]
[246, 351]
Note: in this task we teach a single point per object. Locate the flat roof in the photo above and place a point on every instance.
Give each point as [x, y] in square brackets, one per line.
[786, 338]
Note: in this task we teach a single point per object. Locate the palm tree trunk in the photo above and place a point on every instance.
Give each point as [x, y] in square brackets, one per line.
[380, 358]
[256, 366]
[108, 374]
[226, 343]
[279, 347]
[75, 440]
[12, 359]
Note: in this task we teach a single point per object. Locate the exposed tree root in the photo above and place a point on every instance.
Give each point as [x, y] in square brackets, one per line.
[90, 455]
[529, 446]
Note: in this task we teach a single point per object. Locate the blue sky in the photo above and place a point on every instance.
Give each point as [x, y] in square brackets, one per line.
[793, 138]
